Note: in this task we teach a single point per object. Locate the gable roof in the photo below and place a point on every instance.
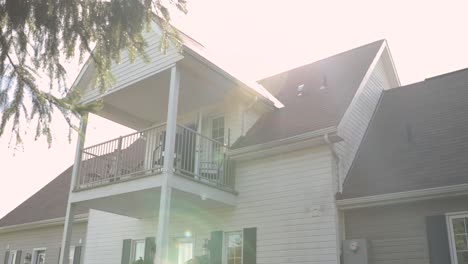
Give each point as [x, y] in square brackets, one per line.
[317, 108]
[48, 203]
[417, 139]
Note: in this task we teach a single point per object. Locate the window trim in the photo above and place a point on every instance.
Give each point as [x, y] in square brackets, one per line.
[185, 240]
[225, 238]
[10, 260]
[133, 249]
[211, 119]
[449, 217]
[34, 254]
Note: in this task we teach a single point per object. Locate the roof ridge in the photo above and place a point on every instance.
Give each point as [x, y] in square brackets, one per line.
[425, 80]
[322, 59]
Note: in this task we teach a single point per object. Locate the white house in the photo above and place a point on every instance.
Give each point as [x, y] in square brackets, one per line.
[243, 172]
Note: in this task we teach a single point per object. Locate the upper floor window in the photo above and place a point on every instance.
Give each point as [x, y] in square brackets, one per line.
[217, 129]
[138, 251]
[185, 251]
[12, 257]
[39, 255]
[233, 247]
[458, 233]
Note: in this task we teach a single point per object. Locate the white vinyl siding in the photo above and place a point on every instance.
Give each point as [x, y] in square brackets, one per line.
[356, 120]
[278, 195]
[127, 73]
[397, 233]
[49, 237]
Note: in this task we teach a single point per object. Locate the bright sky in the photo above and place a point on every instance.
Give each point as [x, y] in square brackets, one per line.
[257, 38]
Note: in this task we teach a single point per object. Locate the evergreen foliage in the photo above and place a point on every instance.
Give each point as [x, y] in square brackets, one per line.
[37, 36]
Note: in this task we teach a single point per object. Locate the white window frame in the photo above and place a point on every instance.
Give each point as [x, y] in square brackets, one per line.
[34, 254]
[449, 217]
[12, 260]
[133, 249]
[71, 254]
[225, 244]
[187, 240]
[212, 118]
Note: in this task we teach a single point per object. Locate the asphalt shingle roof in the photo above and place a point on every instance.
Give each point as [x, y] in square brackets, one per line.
[316, 108]
[417, 139]
[48, 203]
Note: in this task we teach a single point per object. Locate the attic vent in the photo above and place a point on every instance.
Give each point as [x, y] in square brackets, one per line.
[300, 90]
[324, 84]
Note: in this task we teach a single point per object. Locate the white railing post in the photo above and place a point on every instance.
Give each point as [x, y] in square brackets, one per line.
[162, 233]
[197, 145]
[68, 225]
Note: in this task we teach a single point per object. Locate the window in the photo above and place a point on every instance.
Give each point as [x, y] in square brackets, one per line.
[71, 255]
[39, 256]
[458, 233]
[217, 129]
[233, 247]
[185, 251]
[12, 258]
[138, 251]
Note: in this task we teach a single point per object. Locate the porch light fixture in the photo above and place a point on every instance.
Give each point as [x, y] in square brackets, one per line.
[187, 233]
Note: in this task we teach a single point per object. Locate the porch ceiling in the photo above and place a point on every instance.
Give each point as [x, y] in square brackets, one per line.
[145, 203]
[145, 102]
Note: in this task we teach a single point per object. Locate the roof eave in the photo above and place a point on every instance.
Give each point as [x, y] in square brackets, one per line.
[306, 140]
[275, 103]
[402, 197]
[41, 224]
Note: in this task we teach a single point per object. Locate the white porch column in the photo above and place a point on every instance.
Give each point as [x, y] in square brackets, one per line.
[162, 233]
[67, 229]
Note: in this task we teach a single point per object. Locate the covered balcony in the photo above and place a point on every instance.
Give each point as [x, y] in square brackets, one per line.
[141, 154]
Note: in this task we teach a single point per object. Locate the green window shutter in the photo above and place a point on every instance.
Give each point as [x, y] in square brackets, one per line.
[77, 255]
[216, 247]
[60, 252]
[18, 257]
[437, 236]
[126, 251]
[150, 250]
[7, 256]
[249, 246]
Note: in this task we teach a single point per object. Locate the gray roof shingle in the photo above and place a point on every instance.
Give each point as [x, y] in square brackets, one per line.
[316, 108]
[417, 139]
[48, 203]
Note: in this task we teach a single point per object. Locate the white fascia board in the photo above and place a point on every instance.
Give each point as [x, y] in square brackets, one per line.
[310, 139]
[254, 88]
[403, 197]
[364, 81]
[43, 223]
[392, 64]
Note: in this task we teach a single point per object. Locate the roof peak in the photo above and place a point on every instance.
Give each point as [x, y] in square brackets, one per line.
[381, 41]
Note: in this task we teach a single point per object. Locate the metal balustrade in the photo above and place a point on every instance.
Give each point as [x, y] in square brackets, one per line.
[139, 154]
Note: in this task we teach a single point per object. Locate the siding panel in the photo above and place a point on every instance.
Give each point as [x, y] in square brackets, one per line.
[49, 237]
[274, 195]
[355, 122]
[127, 73]
[398, 233]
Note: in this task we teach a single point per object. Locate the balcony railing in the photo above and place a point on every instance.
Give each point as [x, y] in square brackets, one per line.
[139, 154]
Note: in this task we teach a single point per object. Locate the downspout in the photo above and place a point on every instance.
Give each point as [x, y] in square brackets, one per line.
[335, 162]
[340, 228]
